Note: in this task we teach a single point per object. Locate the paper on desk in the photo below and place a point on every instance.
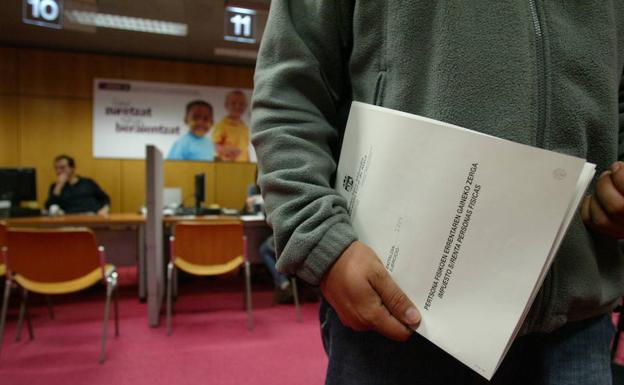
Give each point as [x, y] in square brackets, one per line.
[467, 224]
[252, 217]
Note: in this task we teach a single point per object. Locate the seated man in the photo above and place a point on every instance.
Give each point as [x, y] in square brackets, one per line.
[75, 194]
[283, 292]
[254, 204]
[283, 289]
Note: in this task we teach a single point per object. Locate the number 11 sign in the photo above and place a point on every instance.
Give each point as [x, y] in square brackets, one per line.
[240, 25]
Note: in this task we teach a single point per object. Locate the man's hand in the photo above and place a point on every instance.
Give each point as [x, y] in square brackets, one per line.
[365, 297]
[103, 211]
[604, 210]
[61, 180]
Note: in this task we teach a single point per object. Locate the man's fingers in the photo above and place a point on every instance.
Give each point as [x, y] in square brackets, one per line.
[365, 297]
[597, 214]
[385, 324]
[585, 213]
[372, 315]
[393, 298]
[601, 220]
[610, 198]
[617, 176]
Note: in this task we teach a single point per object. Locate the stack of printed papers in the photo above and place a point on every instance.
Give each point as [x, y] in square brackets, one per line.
[467, 224]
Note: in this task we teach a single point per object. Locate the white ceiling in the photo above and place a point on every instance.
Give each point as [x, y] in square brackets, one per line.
[205, 19]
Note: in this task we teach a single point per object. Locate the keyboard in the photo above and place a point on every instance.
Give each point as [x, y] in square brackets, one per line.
[184, 211]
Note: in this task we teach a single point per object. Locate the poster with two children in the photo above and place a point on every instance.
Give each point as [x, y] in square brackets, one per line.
[185, 122]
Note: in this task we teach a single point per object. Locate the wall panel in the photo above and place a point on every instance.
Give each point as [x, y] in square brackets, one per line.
[107, 173]
[232, 182]
[169, 71]
[9, 131]
[132, 185]
[234, 76]
[63, 74]
[8, 70]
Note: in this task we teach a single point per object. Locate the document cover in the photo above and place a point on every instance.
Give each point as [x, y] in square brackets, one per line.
[467, 224]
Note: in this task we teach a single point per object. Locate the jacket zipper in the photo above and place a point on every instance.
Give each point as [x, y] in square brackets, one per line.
[541, 299]
[383, 64]
[541, 75]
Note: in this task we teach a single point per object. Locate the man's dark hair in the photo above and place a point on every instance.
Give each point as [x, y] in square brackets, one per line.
[198, 102]
[70, 161]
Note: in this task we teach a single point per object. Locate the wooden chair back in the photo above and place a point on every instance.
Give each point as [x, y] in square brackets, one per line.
[3, 242]
[206, 243]
[52, 255]
[3, 230]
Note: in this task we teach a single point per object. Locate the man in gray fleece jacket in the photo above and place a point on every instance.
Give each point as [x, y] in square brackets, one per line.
[540, 72]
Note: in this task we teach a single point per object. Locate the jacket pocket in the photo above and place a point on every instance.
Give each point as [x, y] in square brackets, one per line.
[325, 321]
[380, 85]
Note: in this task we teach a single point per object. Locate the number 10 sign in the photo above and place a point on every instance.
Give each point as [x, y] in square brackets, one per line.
[45, 13]
[240, 25]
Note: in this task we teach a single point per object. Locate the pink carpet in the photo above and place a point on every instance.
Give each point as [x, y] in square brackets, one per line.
[209, 345]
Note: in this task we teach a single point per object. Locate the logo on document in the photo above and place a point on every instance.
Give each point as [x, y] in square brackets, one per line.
[559, 174]
[347, 183]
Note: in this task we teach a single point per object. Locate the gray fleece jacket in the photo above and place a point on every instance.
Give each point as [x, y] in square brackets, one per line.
[540, 72]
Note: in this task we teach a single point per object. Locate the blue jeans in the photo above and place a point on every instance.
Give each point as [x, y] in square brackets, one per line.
[576, 354]
[268, 257]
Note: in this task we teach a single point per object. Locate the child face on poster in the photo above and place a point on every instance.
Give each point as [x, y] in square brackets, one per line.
[236, 105]
[199, 119]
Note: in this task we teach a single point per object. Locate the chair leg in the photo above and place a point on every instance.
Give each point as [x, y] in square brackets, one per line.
[175, 283]
[50, 308]
[293, 282]
[5, 305]
[20, 318]
[23, 313]
[109, 291]
[31, 336]
[248, 295]
[170, 275]
[114, 277]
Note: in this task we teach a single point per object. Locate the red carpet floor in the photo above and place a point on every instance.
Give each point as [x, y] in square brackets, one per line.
[209, 344]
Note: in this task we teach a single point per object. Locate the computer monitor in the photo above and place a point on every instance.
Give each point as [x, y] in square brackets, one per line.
[172, 197]
[18, 184]
[200, 189]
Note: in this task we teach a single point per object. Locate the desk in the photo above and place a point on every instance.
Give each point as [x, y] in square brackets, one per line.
[122, 235]
[94, 221]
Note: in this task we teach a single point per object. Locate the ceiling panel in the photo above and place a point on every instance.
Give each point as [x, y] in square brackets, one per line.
[205, 20]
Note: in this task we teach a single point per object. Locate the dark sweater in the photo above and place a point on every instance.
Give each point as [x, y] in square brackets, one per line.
[542, 73]
[85, 196]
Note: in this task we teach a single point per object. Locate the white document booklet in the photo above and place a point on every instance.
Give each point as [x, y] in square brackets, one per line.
[467, 224]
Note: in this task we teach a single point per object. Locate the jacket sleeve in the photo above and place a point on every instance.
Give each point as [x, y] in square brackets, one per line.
[301, 97]
[101, 196]
[52, 199]
[621, 122]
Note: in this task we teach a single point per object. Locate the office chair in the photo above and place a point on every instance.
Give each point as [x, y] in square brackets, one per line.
[54, 262]
[208, 249]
